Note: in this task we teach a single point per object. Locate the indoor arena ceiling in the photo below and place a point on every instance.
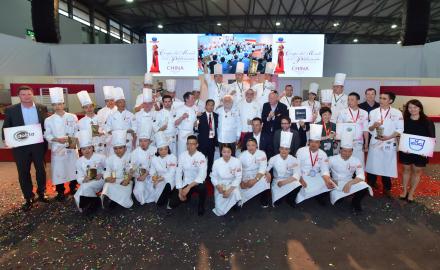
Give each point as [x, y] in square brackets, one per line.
[343, 21]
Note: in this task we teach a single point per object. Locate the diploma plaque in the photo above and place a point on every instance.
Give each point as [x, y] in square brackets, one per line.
[379, 132]
[95, 130]
[92, 172]
[71, 142]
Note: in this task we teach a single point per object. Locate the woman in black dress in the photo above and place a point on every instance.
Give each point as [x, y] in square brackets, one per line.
[417, 123]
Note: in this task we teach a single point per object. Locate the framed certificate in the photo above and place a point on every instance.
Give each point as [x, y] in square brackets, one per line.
[302, 113]
[23, 135]
[418, 145]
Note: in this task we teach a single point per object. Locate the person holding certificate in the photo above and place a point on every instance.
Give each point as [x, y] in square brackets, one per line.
[328, 143]
[27, 112]
[416, 123]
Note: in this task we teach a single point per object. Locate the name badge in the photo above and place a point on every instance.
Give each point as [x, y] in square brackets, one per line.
[211, 134]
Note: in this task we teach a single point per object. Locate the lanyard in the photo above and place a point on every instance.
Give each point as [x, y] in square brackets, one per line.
[241, 88]
[381, 115]
[337, 100]
[313, 107]
[327, 131]
[311, 159]
[290, 103]
[352, 118]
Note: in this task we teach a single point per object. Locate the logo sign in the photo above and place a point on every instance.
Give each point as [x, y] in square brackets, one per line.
[22, 135]
[416, 144]
[300, 114]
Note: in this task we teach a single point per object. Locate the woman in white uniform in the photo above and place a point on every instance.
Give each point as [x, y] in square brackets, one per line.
[60, 132]
[92, 123]
[286, 181]
[313, 164]
[254, 182]
[343, 167]
[226, 177]
[141, 159]
[118, 174]
[163, 172]
[89, 174]
[312, 102]
[386, 123]
[103, 113]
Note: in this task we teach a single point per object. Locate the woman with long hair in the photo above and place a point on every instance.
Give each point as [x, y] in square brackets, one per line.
[417, 123]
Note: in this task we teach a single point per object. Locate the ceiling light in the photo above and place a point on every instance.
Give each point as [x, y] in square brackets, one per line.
[277, 23]
[355, 40]
[160, 26]
[129, 1]
[336, 24]
[219, 24]
[394, 26]
[399, 42]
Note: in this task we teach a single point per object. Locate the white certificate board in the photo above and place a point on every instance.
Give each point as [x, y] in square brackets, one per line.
[418, 145]
[23, 135]
[345, 127]
[302, 113]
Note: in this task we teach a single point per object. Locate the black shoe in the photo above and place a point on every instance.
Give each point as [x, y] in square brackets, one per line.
[27, 206]
[201, 210]
[43, 199]
[387, 194]
[72, 191]
[357, 209]
[60, 197]
[373, 185]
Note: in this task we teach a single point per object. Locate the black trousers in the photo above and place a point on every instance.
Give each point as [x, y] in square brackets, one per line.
[208, 150]
[24, 156]
[358, 196]
[386, 181]
[200, 189]
[232, 145]
[89, 203]
[290, 197]
[164, 197]
[60, 188]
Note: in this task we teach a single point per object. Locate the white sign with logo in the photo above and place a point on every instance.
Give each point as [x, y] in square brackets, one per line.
[418, 145]
[343, 128]
[23, 135]
[302, 113]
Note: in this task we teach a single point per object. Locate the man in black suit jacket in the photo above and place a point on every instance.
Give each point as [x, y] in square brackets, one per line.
[301, 127]
[26, 113]
[285, 126]
[272, 113]
[207, 132]
[263, 139]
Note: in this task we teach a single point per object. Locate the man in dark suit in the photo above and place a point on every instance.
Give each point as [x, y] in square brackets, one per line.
[272, 113]
[264, 142]
[285, 126]
[207, 132]
[300, 127]
[27, 113]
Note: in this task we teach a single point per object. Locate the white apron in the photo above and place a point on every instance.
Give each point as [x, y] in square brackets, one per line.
[252, 165]
[249, 193]
[280, 192]
[88, 189]
[338, 192]
[315, 186]
[118, 193]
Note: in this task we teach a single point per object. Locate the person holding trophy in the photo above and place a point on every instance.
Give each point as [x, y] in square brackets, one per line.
[385, 125]
[60, 132]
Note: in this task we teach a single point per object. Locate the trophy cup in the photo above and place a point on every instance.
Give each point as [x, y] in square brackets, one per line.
[71, 142]
[253, 68]
[95, 129]
[142, 171]
[91, 173]
[379, 132]
[113, 174]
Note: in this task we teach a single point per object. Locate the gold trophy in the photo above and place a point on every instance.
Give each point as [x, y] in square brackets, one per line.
[253, 68]
[113, 174]
[142, 171]
[95, 129]
[91, 173]
[71, 142]
[379, 132]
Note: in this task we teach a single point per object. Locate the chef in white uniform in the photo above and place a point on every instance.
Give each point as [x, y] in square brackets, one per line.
[148, 83]
[145, 118]
[163, 172]
[164, 121]
[248, 109]
[185, 121]
[343, 167]
[226, 177]
[141, 159]
[355, 118]
[229, 124]
[340, 100]
[200, 104]
[313, 164]
[60, 130]
[190, 176]
[254, 182]
[216, 87]
[286, 172]
[89, 174]
[121, 119]
[118, 174]
[287, 96]
[238, 88]
[382, 153]
[312, 101]
[264, 88]
[103, 113]
[171, 91]
[91, 122]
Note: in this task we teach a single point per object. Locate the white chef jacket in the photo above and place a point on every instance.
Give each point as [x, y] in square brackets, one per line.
[240, 90]
[339, 102]
[85, 123]
[190, 169]
[263, 90]
[229, 125]
[248, 111]
[216, 91]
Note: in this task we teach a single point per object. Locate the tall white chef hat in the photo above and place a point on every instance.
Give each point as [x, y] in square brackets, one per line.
[171, 85]
[313, 88]
[160, 139]
[56, 95]
[339, 79]
[148, 78]
[119, 137]
[326, 95]
[270, 68]
[118, 93]
[239, 68]
[218, 69]
[315, 132]
[108, 92]
[85, 138]
[145, 131]
[347, 139]
[147, 95]
[286, 139]
[196, 85]
[84, 98]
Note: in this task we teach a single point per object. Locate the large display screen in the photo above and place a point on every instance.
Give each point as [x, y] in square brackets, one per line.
[294, 55]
